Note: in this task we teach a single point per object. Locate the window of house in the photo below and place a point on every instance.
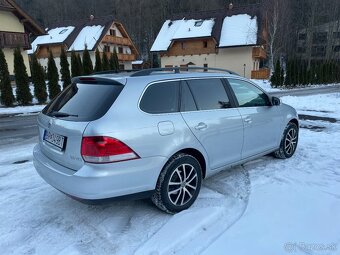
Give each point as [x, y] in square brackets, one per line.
[198, 23]
[121, 67]
[205, 44]
[247, 94]
[63, 31]
[320, 37]
[161, 98]
[205, 65]
[302, 36]
[107, 48]
[183, 45]
[184, 67]
[112, 32]
[120, 50]
[209, 94]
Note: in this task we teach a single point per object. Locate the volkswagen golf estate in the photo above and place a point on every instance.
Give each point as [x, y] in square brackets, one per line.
[157, 133]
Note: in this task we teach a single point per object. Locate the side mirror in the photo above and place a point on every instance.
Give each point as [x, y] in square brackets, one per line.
[276, 101]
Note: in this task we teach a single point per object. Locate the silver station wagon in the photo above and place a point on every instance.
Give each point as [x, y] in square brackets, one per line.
[157, 133]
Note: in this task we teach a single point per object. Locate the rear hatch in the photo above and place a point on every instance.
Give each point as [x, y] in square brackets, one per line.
[64, 120]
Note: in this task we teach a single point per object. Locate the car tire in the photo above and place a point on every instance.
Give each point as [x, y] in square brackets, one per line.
[178, 184]
[289, 142]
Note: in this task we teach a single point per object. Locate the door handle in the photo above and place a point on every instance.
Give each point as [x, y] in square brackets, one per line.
[248, 120]
[201, 126]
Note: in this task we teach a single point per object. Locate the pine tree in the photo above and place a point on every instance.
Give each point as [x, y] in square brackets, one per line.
[288, 79]
[6, 91]
[53, 77]
[80, 64]
[24, 96]
[276, 76]
[105, 64]
[87, 63]
[64, 69]
[114, 63]
[75, 68]
[98, 67]
[38, 78]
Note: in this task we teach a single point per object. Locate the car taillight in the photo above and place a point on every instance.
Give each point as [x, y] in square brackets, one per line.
[102, 149]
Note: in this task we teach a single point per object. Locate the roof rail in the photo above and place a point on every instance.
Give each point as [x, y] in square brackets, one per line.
[115, 71]
[177, 69]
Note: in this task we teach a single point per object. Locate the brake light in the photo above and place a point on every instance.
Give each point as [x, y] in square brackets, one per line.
[102, 149]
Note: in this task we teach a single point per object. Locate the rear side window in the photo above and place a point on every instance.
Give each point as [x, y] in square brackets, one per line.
[248, 95]
[161, 98]
[187, 103]
[209, 94]
[83, 102]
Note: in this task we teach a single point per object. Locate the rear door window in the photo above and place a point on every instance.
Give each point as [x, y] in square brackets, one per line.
[161, 98]
[187, 101]
[247, 94]
[209, 94]
[83, 102]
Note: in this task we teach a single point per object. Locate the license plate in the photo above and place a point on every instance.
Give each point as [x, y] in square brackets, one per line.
[54, 139]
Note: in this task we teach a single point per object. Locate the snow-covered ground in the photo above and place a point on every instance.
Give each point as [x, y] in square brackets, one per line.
[267, 206]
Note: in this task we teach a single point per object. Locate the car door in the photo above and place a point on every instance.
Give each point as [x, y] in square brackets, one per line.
[261, 120]
[210, 115]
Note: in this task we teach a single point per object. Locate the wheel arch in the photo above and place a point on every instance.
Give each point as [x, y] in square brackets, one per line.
[295, 121]
[198, 155]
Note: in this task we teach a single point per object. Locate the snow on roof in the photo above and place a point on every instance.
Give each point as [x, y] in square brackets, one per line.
[165, 35]
[89, 36]
[238, 30]
[194, 28]
[137, 62]
[181, 29]
[55, 35]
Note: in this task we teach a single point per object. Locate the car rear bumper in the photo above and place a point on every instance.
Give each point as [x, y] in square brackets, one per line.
[100, 181]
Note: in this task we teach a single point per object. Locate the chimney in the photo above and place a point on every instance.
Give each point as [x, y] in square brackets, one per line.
[91, 17]
[231, 6]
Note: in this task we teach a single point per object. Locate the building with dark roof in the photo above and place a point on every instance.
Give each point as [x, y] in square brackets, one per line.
[234, 38]
[102, 33]
[16, 26]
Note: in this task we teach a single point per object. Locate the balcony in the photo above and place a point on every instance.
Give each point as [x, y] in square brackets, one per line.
[261, 74]
[116, 40]
[259, 52]
[13, 40]
[126, 57]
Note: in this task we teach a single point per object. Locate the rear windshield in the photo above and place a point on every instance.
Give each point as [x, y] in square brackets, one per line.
[83, 102]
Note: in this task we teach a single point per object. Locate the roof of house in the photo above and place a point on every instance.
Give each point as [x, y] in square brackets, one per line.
[239, 26]
[29, 23]
[75, 34]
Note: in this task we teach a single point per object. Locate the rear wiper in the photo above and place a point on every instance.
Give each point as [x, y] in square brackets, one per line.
[62, 114]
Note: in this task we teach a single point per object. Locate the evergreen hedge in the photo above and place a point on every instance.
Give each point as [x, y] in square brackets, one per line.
[38, 78]
[64, 69]
[53, 77]
[87, 63]
[24, 96]
[98, 66]
[6, 97]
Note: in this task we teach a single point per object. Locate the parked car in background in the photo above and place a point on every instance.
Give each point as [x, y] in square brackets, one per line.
[157, 133]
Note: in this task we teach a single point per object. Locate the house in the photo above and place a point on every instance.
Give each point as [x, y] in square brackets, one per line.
[319, 42]
[231, 38]
[16, 26]
[102, 33]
